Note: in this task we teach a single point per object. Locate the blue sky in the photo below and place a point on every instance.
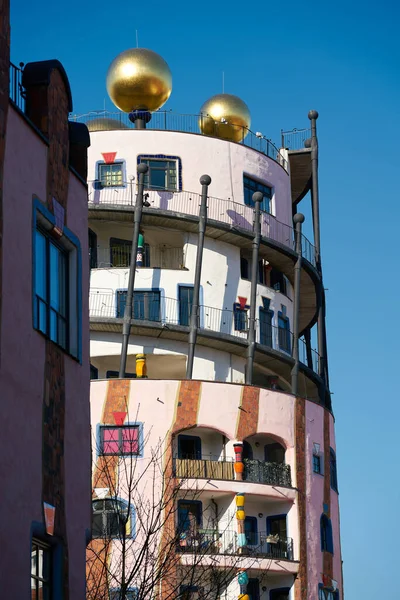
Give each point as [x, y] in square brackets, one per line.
[341, 58]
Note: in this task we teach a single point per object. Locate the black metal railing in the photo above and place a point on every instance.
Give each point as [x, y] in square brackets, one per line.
[213, 541]
[186, 123]
[258, 471]
[152, 307]
[295, 139]
[155, 257]
[17, 92]
[235, 215]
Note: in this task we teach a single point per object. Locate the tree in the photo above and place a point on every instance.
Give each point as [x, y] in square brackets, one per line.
[149, 539]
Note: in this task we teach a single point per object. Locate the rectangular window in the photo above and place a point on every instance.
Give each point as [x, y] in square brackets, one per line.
[162, 174]
[284, 334]
[121, 250]
[40, 571]
[251, 531]
[119, 440]
[253, 589]
[266, 327]
[278, 281]
[146, 305]
[250, 186]
[185, 304]
[240, 318]
[316, 463]
[189, 515]
[110, 175]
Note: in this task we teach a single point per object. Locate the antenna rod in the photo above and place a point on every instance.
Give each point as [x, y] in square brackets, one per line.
[137, 39]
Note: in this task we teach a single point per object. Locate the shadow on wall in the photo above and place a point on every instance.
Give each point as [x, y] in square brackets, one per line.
[164, 197]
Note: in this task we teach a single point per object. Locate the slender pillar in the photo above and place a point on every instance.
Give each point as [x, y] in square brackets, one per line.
[298, 219]
[322, 345]
[251, 336]
[205, 181]
[126, 327]
[307, 337]
[140, 118]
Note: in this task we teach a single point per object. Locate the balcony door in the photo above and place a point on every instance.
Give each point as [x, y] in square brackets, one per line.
[185, 304]
[266, 327]
[146, 305]
[277, 527]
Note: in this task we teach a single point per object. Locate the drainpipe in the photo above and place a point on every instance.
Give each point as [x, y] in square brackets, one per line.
[298, 219]
[322, 345]
[251, 336]
[126, 326]
[205, 181]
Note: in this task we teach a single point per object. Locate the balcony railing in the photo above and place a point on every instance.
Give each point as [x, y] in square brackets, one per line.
[154, 308]
[211, 541]
[231, 213]
[215, 467]
[170, 121]
[294, 139]
[156, 257]
[17, 92]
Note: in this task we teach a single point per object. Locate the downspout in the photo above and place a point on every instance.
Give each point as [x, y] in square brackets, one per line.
[298, 219]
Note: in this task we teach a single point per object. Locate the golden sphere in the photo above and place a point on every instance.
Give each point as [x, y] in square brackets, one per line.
[225, 116]
[139, 79]
[105, 124]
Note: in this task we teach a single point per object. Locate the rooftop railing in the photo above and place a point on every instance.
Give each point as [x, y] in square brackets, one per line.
[212, 541]
[152, 308]
[295, 139]
[231, 213]
[17, 92]
[170, 121]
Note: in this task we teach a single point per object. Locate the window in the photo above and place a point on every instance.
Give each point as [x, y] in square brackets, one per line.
[190, 592]
[316, 463]
[185, 304]
[121, 250]
[278, 281]
[94, 373]
[92, 250]
[244, 268]
[283, 333]
[250, 186]
[146, 305]
[120, 440]
[279, 594]
[110, 519]
[266, 327]
[274, 453]
[276, 525]
[40, 571]
[162, 173]
[327, 593]
[115, 375]
[129, 594]
[251, 531]
[253, 589]
[326, 534]
[240, 317]
[333, 470]
[189, 446]
[110, 175]
[189, 515]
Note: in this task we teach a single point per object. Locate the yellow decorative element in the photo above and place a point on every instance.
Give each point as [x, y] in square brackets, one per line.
[244, 597]
[240, 515]
[225, 116]
[141, 370]
[240, 500]
[139, 79]
[105, 124]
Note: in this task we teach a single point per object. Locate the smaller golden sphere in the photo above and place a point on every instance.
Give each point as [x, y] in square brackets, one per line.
[105, 124]
[139, 79]
[225, 116]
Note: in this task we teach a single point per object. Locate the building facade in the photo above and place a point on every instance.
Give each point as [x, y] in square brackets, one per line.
[248, 455]
[44, 336]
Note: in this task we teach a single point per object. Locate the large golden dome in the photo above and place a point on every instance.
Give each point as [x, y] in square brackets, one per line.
[225, 116]
[139, 79]
[105, 124]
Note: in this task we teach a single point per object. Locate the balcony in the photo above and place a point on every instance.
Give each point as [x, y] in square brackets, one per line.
[151, 310]
[169, 121]
[159, 257]
[256, 471]
[231, 214]
[212, 541]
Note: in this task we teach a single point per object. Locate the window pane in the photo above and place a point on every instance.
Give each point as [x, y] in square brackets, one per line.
[54, 277]
[34, 560]
[97, 525]
[111, 441]
[113, 524]
[40, 265]
[158, 179]
[53, 326]
[42, 313]
[130, 440]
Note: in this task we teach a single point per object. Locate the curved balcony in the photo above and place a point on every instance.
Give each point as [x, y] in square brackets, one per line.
[221, 329]
[166, 120]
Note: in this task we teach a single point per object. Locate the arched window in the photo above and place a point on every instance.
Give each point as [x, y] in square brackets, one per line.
[326, 534]
[333, 470]
[111, 519]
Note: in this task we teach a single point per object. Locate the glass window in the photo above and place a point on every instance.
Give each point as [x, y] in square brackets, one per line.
[110, 519]
[251, 531]
[316, 463]
[162, 174]
[253, 589]
[40, 571]
[333, 470]
[240, 318]
[189, 515]
[120, 440]
[146, 305]
[110, 175]
[185, 304]
[284, 333]
[250, 186]
[189, 447]
[266, 327]
[131, 594]
[51, 289]
[274, 453]
[278, 281]
[121, 250]
[327, 594]
[326, 534]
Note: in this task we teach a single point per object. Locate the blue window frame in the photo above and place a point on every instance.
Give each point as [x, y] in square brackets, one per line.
[326, 534]
[189, 515]
[110, 174]
[146, 305]
[250, 186]
[333, 470]
[189, 447]
[251, 531]
[253, 589]
[240, 317]
[284, 333]
[164, 174]
[265, 316]
[279, 594]
[41, 570]
[185, 294]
